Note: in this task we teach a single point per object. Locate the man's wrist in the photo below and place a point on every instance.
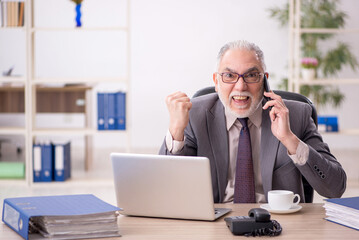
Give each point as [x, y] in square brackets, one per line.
[177, 134]
[291, 143]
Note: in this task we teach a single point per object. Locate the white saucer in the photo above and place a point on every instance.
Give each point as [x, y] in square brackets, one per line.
[293, 209]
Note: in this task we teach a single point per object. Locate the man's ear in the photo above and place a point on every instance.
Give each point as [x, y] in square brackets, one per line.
[215, 80]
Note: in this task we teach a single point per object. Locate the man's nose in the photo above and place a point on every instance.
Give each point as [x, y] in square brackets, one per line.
[240, 85]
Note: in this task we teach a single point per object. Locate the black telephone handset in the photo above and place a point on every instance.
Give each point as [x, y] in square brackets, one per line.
[266, 88]
[256, 224]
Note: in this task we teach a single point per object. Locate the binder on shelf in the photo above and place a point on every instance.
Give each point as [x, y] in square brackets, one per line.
[121, 110]
[328, 123]
[62, 161]
[111, 111]
[47, 162]
[343, 211]
[101, 111]
[61, 217]
[37, 165]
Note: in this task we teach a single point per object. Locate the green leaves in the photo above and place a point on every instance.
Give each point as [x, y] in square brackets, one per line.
[281, 14]
[334, 60]
[77, 1]
[321, 14]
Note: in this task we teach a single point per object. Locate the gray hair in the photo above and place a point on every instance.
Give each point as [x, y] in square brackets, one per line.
[243, 45]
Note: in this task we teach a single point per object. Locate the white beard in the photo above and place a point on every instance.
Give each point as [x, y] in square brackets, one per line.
[255, 103]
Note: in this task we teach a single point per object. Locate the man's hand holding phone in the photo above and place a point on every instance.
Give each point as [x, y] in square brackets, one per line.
[279, 116]
[178, 105]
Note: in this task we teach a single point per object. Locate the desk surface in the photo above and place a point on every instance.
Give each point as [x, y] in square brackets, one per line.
[307, 224]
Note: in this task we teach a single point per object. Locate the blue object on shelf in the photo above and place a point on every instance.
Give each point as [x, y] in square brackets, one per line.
[78, 15]
[330, 123]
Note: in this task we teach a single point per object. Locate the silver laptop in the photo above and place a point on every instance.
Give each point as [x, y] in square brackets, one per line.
[164, 186]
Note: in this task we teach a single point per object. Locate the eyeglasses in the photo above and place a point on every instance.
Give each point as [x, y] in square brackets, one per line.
[251, 77]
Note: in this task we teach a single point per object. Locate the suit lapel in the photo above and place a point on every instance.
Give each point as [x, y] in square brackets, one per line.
[269, 148]
[218, 138]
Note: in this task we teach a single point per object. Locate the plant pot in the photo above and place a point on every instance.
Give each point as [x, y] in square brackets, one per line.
[308, 74]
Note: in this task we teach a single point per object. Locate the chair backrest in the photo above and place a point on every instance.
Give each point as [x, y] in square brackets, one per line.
[308, 190]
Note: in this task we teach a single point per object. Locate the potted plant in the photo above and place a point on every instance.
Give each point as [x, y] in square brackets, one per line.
[309, 66]
[320, 14]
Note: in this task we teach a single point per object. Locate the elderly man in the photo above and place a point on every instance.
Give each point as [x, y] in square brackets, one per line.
[255, 140]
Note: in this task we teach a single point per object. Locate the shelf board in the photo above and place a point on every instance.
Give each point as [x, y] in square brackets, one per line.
[76, 182]
[74, 29]
[63, 131]
[327, 30]
[13, 182]
[74, 131]
[52, 80]
[12, 131]
[14, 28]
[324, 81]
[12, 79]
[109, 131]
[349, 132]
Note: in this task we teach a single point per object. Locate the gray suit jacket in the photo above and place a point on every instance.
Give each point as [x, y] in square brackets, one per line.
[206, 135]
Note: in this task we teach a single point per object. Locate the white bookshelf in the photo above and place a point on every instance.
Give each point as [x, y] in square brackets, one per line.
[31, 81]
[294, 78]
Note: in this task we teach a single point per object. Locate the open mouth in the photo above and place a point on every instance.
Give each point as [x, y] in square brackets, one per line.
[240, 99]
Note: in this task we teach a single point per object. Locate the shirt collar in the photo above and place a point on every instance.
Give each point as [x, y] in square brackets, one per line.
[255, 118]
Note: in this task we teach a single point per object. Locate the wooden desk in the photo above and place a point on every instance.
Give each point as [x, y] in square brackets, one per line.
[306, 224]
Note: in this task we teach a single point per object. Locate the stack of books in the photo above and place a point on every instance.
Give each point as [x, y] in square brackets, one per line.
[344, 211]
[12, 13]
[61, 217]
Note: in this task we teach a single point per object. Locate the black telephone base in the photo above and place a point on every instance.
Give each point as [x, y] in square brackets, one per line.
[241, 225]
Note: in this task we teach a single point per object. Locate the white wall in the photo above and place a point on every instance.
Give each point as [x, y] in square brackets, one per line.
[173, 48]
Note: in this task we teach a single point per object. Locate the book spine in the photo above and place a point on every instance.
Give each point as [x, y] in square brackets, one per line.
[21, 14]
[1, 14]
[68, 160]
[111, 107]
[4, 11]
[37, 163]
[62, 162]
[15, 219]
[105, 109]
[100, 111]
[59, 163]
[121, 110]
[47, 163]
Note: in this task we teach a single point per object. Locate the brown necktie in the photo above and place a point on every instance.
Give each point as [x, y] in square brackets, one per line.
[244, 190]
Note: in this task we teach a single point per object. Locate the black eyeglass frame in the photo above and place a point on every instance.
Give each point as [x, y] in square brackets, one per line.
[241, 76]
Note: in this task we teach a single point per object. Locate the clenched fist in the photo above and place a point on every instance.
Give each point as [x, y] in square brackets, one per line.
[178, 105]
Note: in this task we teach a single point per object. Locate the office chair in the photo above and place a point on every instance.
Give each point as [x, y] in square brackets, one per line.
[308, 190]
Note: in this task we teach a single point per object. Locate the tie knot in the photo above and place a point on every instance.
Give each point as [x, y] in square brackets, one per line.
[244, 122]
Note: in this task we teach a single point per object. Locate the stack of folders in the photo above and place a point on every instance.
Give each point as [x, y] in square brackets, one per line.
[344, 211]
[61, 217]
[111, 110]
[51, 162]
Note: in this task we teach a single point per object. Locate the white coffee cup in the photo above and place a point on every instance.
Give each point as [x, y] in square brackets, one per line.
[282, 199]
